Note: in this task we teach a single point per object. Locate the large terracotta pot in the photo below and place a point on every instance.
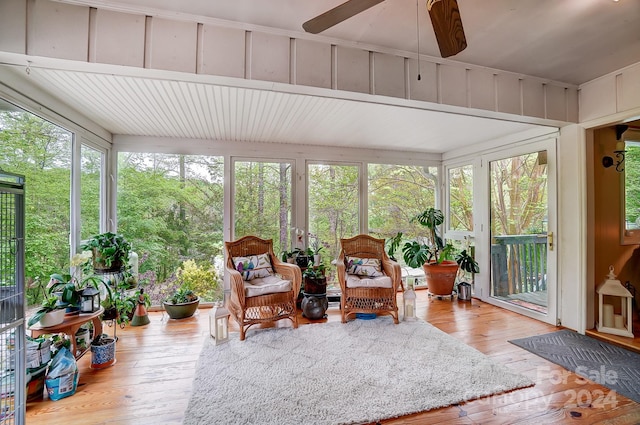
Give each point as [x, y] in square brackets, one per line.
[440, 277]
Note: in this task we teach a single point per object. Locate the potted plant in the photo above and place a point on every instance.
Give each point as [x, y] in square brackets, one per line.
[434, 256]
[121, 303]
[103, 351]
[49, 314]
[315, 250]
[289, 256]
[315, 281]
[70, 288]
[467, 265]
[302, 258]
[182, 303]
[110, 251]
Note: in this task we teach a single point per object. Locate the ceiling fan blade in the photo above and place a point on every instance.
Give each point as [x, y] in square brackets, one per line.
[338, 14]
[447, 25]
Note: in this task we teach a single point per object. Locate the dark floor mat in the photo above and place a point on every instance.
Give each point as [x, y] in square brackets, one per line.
[611, 366]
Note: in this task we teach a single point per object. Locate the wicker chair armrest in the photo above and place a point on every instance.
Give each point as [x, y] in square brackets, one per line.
[289, 272]
[237, 284]
[341, 271]
[393, 270]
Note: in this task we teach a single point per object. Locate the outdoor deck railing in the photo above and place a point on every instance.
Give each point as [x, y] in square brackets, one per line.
[518, 264]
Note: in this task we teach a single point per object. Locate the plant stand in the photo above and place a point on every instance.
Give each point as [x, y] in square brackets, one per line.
[70, 326]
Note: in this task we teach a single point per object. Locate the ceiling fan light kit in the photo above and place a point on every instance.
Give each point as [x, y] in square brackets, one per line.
[444, 14]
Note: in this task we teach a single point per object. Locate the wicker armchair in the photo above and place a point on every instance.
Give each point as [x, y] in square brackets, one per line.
[373, 295]
[261, 300]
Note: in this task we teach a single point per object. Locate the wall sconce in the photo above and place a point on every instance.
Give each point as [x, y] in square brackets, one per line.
[607, 161]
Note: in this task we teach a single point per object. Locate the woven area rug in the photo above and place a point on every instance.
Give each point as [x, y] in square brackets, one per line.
[335, 373]
[609, 365]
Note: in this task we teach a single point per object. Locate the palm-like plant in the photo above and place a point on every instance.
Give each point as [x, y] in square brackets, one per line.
[415, 254]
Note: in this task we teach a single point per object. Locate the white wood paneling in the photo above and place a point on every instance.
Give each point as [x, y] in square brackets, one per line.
[556, 102]
[508, 89]
[171, 45]
[117, 38]
[453, 85]
[352, 69]
[313, 63]
[533, 98]
[270, 57]
[572, 104]
[389, 75]
[571, 236]
[481, 89]
[200, 109]
[628, 91]
[177, 42]
[598, 98]
[57, 30]
[221, 51]
[426, 88]
[13, 26]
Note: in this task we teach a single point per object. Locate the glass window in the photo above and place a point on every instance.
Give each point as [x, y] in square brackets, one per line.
[333, 206]
[461, 198]
[397, 193]
[631, 176]
[170, 208]
[262, 202]
[90, 179]
[41, 151]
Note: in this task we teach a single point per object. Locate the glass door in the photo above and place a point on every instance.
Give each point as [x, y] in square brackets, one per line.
[522, 218]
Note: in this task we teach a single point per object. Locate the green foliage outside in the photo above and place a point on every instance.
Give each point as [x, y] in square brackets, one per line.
[396, 194]
[41, 152]
[201, 279]
[632, 182]
[262, 202]
[333, 206]
[518, 195]
[170, 208]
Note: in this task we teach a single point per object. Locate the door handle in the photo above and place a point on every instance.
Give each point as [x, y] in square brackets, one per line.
[550, 240]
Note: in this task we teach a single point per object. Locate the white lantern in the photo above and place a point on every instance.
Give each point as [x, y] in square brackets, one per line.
[615, 314]
[219, 324]
[409, 302]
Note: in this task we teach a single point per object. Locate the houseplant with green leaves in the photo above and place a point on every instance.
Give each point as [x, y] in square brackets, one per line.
[69, 286]
[50, 313]
[110, 251]
[437, 259]
[183, 301]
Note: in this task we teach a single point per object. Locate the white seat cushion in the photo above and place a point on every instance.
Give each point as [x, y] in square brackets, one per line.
[266, 285]
[355, 281]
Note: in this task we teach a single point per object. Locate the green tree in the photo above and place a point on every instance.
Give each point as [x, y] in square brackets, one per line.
[41, 152]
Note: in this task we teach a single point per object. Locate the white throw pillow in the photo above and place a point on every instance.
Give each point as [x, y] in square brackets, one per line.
[253, 266]
[364, 266]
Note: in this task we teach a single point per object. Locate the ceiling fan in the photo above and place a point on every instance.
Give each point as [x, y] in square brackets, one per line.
[444, 14]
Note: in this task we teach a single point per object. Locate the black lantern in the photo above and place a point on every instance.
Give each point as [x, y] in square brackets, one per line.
[90, 300]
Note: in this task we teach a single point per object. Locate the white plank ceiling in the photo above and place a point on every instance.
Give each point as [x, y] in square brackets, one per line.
[133, 105]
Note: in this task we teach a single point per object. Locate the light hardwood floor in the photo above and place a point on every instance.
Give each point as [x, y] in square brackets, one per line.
[151, 381]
